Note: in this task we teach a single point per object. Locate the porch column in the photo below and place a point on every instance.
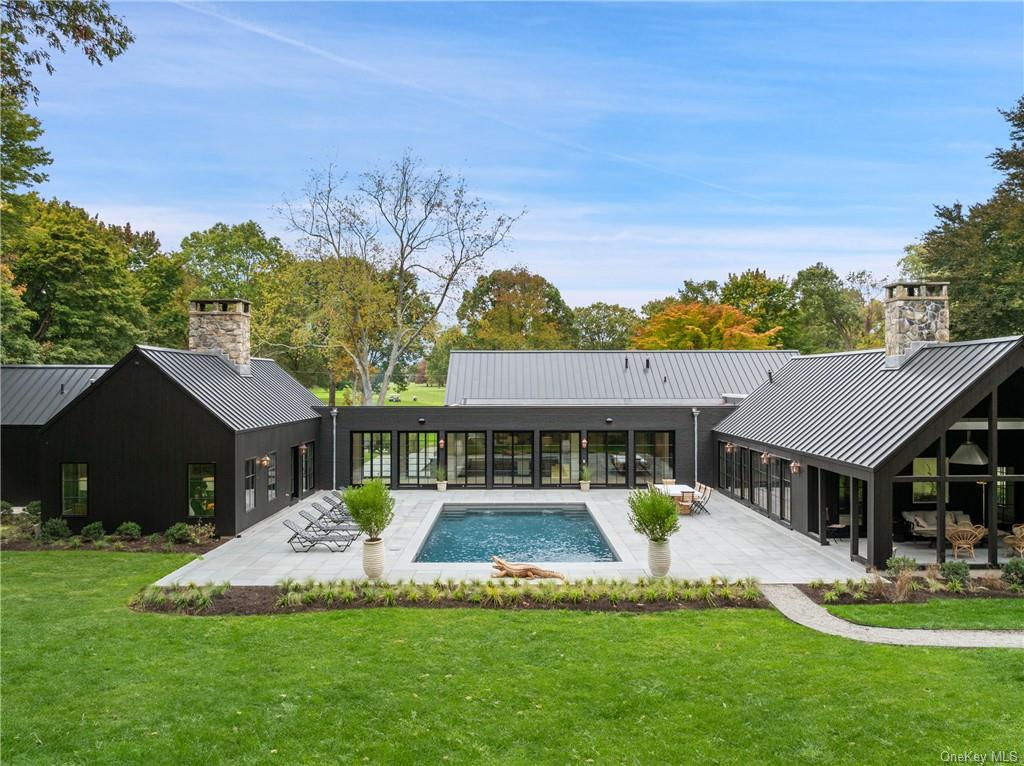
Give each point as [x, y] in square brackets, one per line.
[940, 502]
[879, 497]
[851, 484]
[993, 469]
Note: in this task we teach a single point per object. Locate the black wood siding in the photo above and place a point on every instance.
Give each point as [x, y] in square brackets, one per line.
[490, 419]
[19, 466]
[138, 431]
[256, 444]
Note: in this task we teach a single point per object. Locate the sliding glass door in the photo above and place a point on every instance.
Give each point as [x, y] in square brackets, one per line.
[606, 457]
[513, 458]
[559, 458]
[467, 458]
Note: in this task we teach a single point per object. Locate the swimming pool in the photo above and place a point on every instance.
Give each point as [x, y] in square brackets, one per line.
[519, 533]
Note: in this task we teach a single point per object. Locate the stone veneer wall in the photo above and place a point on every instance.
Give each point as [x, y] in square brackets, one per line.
[912, 319]
[224, 331]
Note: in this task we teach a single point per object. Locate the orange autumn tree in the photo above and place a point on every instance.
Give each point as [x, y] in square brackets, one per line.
[702, 325]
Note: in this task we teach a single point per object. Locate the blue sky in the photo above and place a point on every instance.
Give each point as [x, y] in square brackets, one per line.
[648, 143]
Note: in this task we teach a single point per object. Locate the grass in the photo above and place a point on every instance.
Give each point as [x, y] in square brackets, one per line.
[86, 680]
[429, 396]
[980, 613]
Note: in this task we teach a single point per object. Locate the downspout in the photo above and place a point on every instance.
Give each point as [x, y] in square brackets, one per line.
[696, 414]
[334, 448]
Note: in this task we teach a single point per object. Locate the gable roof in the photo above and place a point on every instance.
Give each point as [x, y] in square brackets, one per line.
[269, 397]
[606, 377]
[850, 408]
[31, 394]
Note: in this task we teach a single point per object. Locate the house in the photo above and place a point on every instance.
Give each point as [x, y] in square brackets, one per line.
[168, 435]
[32, 394]
[534, 419]
[885, 449]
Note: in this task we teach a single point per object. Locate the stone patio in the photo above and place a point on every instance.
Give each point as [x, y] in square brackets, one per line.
[730, 541]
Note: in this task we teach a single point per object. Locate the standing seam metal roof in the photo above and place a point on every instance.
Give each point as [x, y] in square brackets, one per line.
[603, 377]
[850, 408]
[269, 397]
[31, 394]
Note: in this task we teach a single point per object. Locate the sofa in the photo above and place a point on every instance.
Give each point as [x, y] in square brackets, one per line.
[923, 523]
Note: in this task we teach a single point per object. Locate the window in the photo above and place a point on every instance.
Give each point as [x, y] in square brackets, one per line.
[759, 480]
[467, 458]
[721, 465]
[272, 477]
[371, 456]
[202, 485]
[250, 484]
[74, 489]
[308, 466]
[744, 482]
[513, 458]
[785, 499]
[655, 456]
[606, 456]
[926, 491]
[1004, 496]
[559, 457]
[417, 458]
[774, 487]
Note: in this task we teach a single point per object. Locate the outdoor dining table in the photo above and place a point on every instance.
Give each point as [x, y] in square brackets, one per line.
[674, 490]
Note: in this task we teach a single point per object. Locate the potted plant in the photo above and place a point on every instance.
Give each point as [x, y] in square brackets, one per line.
[585, 478]
[441, 474]
[653, 515]
[372, 508]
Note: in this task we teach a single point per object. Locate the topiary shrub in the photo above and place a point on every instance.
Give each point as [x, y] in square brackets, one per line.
[6, 507]
[372, 507]
[1013, 572]
[955, 571]
[128, 530]
[896, 565]
[653, 514]
[34, 509]
[55, 529]
[94, 531]
[178, 533]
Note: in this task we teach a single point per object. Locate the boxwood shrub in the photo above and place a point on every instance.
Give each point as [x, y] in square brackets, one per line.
[94, 531]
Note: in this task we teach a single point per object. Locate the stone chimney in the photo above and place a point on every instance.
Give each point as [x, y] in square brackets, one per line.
[915, 313]
[221, 324]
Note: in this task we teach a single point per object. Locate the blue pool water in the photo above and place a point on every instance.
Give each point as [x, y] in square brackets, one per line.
[526, 533]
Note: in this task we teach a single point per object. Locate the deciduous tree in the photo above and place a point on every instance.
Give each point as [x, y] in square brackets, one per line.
[703, 326]
[514, 309]
[604, 326]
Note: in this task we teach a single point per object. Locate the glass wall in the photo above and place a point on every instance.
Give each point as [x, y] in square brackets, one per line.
[559, 457]
[759, 480]
[74, 489]
[272, 477]
[774, 487]
[606, 456]
[654, 456]
[744, 480]
[371, 456]
[467, 458]
[202, 486]
[513, 458]
[786, 497]
[417, 458]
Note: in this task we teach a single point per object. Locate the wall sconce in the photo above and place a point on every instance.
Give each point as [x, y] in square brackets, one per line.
[583, 443]
[440, 443]
[730, 447]
[264, 461]
[609, 420]
[421, 421]
[766, 457]
[303, 449]
[795, 467]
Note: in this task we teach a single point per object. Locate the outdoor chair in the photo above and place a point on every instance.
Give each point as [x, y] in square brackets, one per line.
[303, 541]
[700, 502]
[683, 506]
[335, 515]
[334, 502]
[1016, 540]
[323, 524]
[965, 538]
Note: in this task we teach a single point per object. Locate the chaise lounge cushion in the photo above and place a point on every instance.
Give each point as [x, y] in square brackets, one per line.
[923, 523]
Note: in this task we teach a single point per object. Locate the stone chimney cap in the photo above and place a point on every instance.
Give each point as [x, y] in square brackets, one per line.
[203, 304]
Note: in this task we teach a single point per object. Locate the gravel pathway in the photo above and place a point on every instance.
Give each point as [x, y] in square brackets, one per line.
[792, 602]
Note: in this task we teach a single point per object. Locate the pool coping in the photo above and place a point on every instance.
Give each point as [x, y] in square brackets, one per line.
[406, 563]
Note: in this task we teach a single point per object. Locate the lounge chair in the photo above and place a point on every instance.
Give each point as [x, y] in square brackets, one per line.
[303, 540]
[333, 501]
[335, 515]
[1016, 540]
[323, 524]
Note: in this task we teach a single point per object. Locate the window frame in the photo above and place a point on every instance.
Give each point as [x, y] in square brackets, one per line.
[456, 458]
[272, 477]
[212, 496]
[656, 476]
[79, 497]
[519, 450]
[384, 443]
[603, 458]
[249, 492]
[422, 447]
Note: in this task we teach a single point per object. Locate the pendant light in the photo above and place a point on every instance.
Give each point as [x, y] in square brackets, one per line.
[969, 453]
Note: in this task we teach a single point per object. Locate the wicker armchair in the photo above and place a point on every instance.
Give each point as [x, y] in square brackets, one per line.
[1016, 540]
[965, 538]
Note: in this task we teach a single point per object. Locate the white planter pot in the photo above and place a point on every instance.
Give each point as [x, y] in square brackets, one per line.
[442, 486]
[585, 486]
[373, 559]
[659, 558]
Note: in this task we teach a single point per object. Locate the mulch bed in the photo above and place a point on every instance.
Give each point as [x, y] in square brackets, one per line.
[130, 546]
[913, 597]
[262, 599]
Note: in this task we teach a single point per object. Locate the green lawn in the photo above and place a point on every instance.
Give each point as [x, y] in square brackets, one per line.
[991, 613]
[432, 396]
[86, 680]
